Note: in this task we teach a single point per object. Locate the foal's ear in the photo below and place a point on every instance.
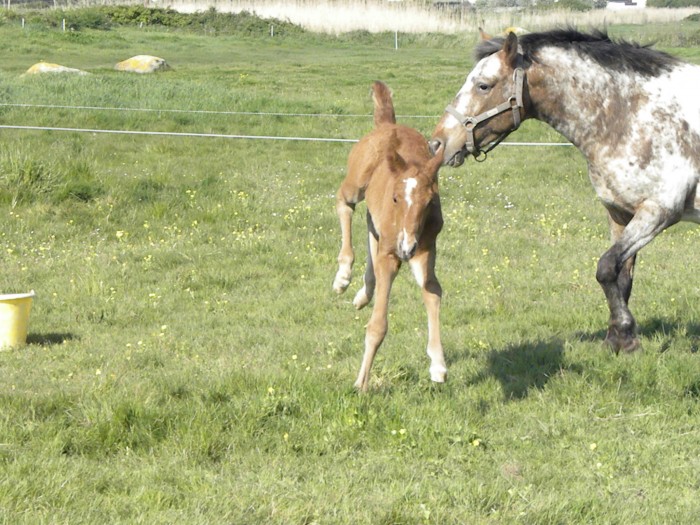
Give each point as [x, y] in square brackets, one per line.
[510, 50]
[435, 163]
[396, 163]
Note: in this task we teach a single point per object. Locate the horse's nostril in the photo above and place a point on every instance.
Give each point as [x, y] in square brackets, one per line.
[434, 145]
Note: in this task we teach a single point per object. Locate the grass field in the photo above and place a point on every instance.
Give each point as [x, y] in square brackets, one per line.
[188, 361]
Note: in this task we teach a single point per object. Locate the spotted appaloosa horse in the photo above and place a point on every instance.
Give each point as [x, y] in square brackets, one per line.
[394, 171]
[632, 111]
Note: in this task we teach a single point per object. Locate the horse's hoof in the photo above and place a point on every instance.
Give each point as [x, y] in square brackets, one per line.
[626, 343]
[630, 345]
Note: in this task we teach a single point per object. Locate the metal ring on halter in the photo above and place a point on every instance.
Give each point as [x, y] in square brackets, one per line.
[478, 155]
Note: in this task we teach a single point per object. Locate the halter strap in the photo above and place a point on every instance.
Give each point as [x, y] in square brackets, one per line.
[514, 103]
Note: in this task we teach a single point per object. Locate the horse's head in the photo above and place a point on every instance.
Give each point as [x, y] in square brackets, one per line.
[488, 106]
[415, 188]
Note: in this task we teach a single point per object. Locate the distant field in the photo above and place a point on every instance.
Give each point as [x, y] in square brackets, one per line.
[419, 17]
[188, 361]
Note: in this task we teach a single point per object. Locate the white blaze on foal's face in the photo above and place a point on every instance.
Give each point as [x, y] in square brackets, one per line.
[410, 186]
[411, 216]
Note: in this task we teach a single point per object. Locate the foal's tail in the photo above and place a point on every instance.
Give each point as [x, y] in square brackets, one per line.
[383, 105]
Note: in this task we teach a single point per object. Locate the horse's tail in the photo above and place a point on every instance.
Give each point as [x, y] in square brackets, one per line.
[383, 105]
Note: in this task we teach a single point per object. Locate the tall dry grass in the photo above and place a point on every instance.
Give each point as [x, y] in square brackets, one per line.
[342, 16]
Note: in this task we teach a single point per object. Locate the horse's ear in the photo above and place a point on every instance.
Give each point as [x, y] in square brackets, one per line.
[510, 50]
[484, 35]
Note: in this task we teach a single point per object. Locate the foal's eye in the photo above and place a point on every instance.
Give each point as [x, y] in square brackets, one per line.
[482, 87]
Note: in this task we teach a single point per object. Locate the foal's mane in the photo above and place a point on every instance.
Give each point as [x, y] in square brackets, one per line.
[616, 55]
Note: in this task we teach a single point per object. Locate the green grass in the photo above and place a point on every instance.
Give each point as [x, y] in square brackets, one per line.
[188, 361]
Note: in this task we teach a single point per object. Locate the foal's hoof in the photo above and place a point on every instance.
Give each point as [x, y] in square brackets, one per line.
[438, 374]
[625, 343]
[361, 300]
[340, 283]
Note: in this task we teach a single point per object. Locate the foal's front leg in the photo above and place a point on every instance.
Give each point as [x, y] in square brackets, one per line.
[386, 266]
[423, 268]
[345, 207]
[365, 294]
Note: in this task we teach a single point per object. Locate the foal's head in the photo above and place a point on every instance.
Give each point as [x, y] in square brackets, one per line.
[492, 83]
[413, 188]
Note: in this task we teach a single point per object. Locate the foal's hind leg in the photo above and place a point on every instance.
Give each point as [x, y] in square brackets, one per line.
[365, 294]
[423, 268]
[615, 269]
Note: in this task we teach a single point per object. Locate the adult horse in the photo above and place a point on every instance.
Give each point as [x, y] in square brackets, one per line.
[632, 111]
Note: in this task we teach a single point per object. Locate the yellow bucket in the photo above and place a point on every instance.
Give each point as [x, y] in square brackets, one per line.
[14, 319]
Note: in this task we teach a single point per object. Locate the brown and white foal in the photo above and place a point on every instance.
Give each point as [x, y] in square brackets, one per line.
[392, 169]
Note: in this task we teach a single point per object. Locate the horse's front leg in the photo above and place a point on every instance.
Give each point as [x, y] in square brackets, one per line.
[617, 222]
[616, 267]
[386, 267]
[423, 268]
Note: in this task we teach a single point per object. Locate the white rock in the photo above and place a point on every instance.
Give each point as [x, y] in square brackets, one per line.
[142, 64]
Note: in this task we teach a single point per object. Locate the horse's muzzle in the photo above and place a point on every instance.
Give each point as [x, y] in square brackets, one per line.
[457, 159]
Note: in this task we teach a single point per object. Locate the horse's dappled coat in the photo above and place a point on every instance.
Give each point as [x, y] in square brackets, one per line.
[632, 111]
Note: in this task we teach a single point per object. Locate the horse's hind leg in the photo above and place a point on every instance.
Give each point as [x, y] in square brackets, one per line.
[692, 211]
[423, 268]
[615, 270]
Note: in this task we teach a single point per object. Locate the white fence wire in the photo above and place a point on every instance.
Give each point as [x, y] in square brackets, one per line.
[220, 135]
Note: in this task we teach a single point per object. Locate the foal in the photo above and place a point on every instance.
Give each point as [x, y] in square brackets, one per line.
[392, 169]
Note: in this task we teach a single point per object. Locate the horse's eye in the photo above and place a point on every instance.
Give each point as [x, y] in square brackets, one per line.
[394, 199]
[483, 88]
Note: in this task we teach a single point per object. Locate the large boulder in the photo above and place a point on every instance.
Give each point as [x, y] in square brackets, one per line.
[142, 64]
[47, 67]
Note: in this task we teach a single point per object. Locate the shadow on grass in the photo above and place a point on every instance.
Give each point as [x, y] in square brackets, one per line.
[524, 367]
[49, 339]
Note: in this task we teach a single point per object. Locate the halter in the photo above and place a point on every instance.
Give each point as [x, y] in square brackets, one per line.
[514, 103]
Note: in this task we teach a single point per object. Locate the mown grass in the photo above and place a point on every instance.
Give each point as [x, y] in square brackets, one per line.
[188, 361]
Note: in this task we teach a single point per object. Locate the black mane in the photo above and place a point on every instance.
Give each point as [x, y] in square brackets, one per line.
[615, 55]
